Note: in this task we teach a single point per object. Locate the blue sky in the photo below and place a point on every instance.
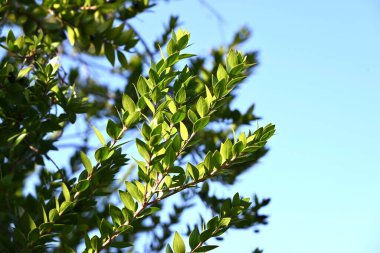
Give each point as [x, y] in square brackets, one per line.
[318, 81]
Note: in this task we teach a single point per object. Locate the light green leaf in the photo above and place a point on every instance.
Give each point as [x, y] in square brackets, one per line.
[132, 119]
[86, 162]
[134, 191]
[127, 200]
[99, 135]
[71, 35]
[143, 149]
[202, 107]
[128, 104]
[221, 73]
[226, 150]
[23, 72]
[183, 131]
[66, 192]
[178, 244]
[201, 123]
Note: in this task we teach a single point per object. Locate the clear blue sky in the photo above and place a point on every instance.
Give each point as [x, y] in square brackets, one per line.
[318, 81]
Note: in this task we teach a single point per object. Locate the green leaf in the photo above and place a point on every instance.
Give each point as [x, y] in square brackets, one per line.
[148, 211]
[23, 72]
[122, 59]
[178, 244]
[128, 104]
[127, 200]
[124, 229]
[192, 171]
[221, 73]
[65, 206]
[172, 59]
[109, 52]
[217, 159]
[134, 191]
[34, 235]
[99, 135]
[120, 245]
[132, 119]
[142, 86]
[183, 131]
[86, 162]
[149, 104]
[168, 249]
[206, 248]
[237, 148]
[201, 123]
[232, 59]
[224, 222]
[192, 116]
[71, 35]
[113, 130]
[202, 107]
[226, 150]
[66, 192]
[206, 234]
[180, 96]
[26, 223]
[143, 149]
[101, 154]
[82, 185]
[116, 215]
[178, 116]
[53, 215]
[194, 238]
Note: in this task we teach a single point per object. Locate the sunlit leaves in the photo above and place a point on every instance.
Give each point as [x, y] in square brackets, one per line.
[86, 162]
[178, 244]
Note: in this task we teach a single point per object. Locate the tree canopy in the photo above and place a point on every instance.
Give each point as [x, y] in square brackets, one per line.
[170, 132]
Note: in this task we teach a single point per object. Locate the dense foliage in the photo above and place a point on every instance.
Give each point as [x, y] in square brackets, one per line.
[177, 113]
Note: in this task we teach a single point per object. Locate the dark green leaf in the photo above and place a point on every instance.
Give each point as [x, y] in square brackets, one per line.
[109, 51]
[82, 185]
[194, 238]
[120, 245]
[206, 248]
